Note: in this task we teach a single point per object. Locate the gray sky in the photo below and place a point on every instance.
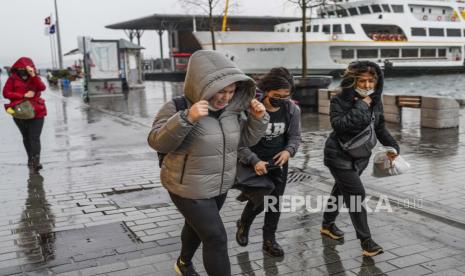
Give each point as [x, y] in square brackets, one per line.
[22, 23]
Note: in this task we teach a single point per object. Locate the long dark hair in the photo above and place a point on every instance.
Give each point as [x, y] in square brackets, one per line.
[277, 78]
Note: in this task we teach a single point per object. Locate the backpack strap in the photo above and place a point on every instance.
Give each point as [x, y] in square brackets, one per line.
[180, 103]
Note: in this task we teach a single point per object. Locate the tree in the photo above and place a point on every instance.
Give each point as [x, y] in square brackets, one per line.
[304, 6]
[209, 7]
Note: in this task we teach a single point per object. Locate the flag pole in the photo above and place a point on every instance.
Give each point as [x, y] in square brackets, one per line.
[60, 57]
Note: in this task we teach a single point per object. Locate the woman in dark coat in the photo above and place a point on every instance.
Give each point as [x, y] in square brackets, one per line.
[351, 111]
[22, 85]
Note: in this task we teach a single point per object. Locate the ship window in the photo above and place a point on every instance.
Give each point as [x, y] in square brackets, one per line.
[316, 28]
[375, 8]
[443, 12]
[367, 53]
[436, 32]
[428, 52]
[330, 13]
[309, 28]
[296, 29]
[349, 29]
[423, 10]
[364, 10]
[353, 11]
[389, 53]
[419, 31]
[453, 32]
[337, 29]
[386, 8]
[398, 8]
[430, 11]
[441, 52]
[342, 13]
[409, 52]
[347, 53]
[326, 29]
[411, 10]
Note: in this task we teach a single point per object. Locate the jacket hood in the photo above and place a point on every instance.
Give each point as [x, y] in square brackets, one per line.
[208, 72]
[23, 62]
[350, 93]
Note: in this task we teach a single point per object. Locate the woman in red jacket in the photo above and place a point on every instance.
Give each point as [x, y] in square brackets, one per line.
[22, 85]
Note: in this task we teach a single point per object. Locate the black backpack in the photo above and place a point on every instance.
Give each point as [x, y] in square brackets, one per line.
[181, 104]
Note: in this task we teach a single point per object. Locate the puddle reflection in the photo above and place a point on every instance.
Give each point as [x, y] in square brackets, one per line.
[37, 221]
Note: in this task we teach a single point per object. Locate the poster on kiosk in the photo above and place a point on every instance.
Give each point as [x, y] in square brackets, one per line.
[103, 66]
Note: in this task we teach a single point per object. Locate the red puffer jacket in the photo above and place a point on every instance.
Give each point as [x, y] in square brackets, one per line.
[15, 88]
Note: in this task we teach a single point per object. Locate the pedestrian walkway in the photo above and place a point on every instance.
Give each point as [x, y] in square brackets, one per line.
[98, 208]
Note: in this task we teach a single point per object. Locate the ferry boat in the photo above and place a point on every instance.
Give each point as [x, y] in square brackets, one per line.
[401, 36]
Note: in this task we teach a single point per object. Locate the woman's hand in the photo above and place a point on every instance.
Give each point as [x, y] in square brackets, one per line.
[29, 94]
[281, 158]
[31, 71]
[257, 109]
[260, 168]
[367, 100]
[391, 156]
[197, 111]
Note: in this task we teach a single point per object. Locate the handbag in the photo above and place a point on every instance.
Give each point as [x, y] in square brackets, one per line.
[253, 187]
[361, 145]
[24, 111]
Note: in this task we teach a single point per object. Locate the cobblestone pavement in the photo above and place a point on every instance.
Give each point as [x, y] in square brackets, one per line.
[97, 208]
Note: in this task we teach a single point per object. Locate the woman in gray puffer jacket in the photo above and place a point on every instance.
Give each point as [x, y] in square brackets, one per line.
[201, 145]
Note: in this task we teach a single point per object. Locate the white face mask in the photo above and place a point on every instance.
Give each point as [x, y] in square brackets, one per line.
[364, 93]
[211, 108]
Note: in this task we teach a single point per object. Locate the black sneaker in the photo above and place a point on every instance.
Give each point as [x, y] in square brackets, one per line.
[272, 248]
[185, 269]
[332, 231]
[371, 248]
[242, 234]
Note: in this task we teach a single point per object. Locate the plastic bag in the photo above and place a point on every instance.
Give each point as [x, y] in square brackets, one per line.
[383, 166]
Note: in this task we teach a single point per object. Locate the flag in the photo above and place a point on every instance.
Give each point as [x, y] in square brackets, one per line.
[48, 20]
[52, 29]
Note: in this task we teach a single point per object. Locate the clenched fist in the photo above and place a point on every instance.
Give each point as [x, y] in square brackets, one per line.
[257, 109]
[197, 111]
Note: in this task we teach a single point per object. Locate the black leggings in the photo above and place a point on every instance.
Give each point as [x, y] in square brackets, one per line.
[348, 184]
[203, 224]
[279, 178]
[31, 130]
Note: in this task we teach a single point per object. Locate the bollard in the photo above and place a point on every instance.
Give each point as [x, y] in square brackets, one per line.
[392, 112]
[323, 101]
[439, 112]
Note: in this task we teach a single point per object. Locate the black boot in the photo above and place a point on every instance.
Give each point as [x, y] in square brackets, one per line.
[185, 269]
[242, 234]
[36, 163]
[272, 248]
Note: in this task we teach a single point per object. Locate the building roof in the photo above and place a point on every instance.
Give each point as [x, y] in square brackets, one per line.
[185, 22]
[123, 44]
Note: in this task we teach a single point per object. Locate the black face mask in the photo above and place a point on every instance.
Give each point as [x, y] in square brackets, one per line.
[23, 74]
[276, 102]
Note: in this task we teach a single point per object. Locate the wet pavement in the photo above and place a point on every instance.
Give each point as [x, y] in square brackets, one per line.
[97, 208]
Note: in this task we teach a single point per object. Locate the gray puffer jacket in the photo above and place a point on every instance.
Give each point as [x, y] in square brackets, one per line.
[201, 158]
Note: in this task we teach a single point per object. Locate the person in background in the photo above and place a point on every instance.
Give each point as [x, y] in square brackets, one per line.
[24, 85]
